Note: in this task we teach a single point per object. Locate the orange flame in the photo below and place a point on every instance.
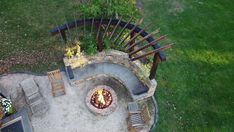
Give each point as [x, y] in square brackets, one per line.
[101, 97]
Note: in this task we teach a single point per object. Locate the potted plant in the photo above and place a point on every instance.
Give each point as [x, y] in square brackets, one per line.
[69, 53]
[6, 107]
[73, 56]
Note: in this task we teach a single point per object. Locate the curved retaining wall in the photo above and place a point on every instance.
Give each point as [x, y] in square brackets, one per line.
[117, 64]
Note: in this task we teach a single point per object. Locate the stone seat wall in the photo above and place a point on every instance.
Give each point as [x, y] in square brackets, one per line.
[118, 65]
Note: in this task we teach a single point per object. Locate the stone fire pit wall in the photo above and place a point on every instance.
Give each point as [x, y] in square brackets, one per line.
[118, 65]
[106, 111]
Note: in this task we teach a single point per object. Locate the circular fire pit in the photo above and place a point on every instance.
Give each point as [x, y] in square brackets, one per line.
[101, 100]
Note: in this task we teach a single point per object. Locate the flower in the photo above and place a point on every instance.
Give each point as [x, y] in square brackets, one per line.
[6, 105]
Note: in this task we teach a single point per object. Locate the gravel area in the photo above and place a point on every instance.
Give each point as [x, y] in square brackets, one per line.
[69, 112]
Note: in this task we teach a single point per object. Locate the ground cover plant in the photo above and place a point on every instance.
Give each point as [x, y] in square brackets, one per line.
[195, 84]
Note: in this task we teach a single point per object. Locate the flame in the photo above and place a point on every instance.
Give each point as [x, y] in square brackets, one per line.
[101, 97]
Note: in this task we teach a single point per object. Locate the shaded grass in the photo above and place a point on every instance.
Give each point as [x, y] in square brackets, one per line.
[25, 28]
[195, 86]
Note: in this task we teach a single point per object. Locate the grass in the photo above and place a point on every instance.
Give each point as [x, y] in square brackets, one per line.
[25, 29]
[195, 84]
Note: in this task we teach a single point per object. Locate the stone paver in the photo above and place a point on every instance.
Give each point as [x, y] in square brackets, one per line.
[69, 113]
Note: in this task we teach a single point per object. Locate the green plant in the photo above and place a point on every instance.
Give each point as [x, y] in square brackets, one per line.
[97, 8]
[69, 53]
[89, 44]
[107, 44]
[7, 106]
[77, 48]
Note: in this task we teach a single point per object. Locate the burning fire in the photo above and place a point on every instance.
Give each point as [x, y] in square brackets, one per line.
[101, 97]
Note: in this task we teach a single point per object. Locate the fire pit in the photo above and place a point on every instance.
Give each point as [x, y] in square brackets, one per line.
[101, 100]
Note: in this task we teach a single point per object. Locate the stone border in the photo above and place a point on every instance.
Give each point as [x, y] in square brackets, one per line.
[121, 58]
[22, 115]
[156, 116]
[105, 111]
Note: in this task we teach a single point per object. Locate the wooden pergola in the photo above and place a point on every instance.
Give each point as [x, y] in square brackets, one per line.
[134, 31]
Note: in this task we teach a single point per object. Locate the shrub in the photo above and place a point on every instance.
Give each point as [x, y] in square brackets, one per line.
[89, 44]
[107, 8]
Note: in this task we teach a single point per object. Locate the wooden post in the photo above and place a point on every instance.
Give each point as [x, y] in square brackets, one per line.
[144, 38]
[99, 37]
[115, 27]
[146, 46]
[76, 27]
[99, 41]
[132, 30]
[84, 24]
[152, 52]
[92, 26]
[108, 25]
[63, 34]
[62, 38]
[121, 32]
[154, 67]
[132, 42]
[137, 34]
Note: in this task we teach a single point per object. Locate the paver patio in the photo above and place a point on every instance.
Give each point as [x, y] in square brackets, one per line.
[69, 112]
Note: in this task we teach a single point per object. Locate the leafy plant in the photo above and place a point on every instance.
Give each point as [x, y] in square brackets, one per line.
[77, 48]
[107, 44]
[7, 106]
[107, 8]
[89, 44]
[73, 49]
[69, 53]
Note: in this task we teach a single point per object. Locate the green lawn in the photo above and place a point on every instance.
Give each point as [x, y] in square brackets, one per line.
[195, 85]
[24, 33]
